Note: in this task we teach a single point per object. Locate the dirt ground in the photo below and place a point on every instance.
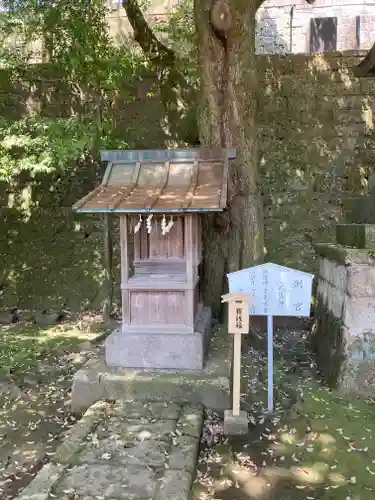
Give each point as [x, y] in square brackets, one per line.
[315, 445]
[35, 413]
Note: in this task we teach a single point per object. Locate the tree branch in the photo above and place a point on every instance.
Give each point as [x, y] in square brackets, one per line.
[366, 67]
[153, 48]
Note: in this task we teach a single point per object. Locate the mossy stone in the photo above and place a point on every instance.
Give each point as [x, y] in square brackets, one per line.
[356, 235]
[327, 343]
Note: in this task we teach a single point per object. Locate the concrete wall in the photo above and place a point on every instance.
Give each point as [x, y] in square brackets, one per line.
[284, 25]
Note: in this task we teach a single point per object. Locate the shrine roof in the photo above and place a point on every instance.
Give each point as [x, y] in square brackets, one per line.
[161, 181]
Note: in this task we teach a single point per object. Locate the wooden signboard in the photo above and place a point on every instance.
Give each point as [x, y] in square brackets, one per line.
[238, 325]
[238, 312]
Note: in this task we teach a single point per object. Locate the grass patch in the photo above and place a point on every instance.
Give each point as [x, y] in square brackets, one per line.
[332, 443]
[323, 451]
[23, 346]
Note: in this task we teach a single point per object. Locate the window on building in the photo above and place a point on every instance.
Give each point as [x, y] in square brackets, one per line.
[114, 4]
[358, 31]
[323, 34]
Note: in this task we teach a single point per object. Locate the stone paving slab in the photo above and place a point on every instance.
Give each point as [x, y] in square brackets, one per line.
[124, 451]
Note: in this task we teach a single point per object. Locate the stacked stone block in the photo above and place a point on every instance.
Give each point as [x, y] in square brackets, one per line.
[344, 332]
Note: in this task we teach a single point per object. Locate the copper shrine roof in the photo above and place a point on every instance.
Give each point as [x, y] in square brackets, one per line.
[158, 181]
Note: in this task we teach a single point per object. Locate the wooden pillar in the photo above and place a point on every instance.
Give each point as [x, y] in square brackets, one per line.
[189, 258]
[199, 244]
[125, 295]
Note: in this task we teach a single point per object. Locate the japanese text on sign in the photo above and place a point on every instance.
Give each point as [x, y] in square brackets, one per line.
[239, 318]
[276, 290]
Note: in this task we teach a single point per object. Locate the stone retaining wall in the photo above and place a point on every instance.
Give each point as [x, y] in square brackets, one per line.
[344, 332]
[316, 149]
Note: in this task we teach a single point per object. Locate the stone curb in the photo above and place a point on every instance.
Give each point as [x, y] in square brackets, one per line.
[190, 421]
[41, 486]
[74, 439]
[178, 478]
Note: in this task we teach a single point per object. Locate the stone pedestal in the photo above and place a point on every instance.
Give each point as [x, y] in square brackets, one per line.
[344, 330]
[209, 386]
[160, 350]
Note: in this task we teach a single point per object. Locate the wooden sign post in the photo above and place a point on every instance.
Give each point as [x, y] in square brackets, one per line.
[238, 325]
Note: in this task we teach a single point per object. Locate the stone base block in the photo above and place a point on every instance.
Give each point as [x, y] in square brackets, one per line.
[165, 351]
[155, 351]
[358, 378]
[235, 424]
[356, 235]
[209, 386]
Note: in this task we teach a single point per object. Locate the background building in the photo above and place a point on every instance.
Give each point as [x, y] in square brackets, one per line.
[285, 26]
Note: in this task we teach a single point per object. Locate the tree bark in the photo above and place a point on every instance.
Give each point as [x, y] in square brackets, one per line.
[227, 118]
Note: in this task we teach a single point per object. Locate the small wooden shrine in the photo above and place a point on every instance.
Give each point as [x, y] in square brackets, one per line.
[159, 195]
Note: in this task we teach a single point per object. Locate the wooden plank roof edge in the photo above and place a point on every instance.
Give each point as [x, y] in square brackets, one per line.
[214, 199]
[151, 201]
[82, 201]
[137, 211]
[192, 186]
[224, 188]
[164, 155]
[129, 189]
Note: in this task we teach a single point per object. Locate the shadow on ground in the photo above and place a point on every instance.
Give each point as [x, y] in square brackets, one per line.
[35, 395]
[316, 445]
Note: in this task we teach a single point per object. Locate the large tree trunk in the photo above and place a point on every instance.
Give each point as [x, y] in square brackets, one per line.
[228, 119]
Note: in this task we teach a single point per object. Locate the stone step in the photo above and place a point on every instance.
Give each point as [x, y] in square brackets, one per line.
[356, 235]
[209, 387]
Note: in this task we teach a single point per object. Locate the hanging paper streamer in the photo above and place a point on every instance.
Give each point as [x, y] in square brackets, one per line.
[137, 227]
[149, 223]
[166, 227]
[163, 225]
[169, 225]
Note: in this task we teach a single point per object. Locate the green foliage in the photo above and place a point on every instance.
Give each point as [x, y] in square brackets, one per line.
[73, 37]
[40, 144]
[177, 30]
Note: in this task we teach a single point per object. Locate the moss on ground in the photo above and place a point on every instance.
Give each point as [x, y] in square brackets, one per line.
[325, 450]
[24, 346]
[316, 445]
